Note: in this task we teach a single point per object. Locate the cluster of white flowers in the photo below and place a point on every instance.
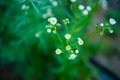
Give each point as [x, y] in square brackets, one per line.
[73, 52]
[25, 7]
[52, 26]
[111, 21]
[85, 10]
[68, 47]
[106, 25]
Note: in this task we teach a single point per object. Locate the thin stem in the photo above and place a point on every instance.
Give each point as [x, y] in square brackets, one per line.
[90, 35]
[36, 9]
[66, 26]
[60, 39]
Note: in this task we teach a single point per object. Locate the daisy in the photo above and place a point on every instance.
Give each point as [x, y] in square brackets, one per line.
[80, 41]
[76, 51]
[58, 51]
[67, 36]
[81, 7]
[68, 48]
[112, 21]
[52, 20]
[72, 56]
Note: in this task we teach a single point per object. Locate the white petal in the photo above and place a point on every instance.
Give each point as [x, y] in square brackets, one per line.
[49, 30]
[85, 12]
[112, 21]
[76, 51]
[81, 7]
[88, 8]
[72, 56]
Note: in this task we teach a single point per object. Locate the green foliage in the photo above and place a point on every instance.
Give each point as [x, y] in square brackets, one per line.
[24, 39]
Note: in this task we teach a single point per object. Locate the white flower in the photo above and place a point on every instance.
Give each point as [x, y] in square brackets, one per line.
[72, 56]
[67, 36]
[101, 24]
[88, 8]
[68, 48]
[85, 12]
[73, 1]
[49, 30]
[76, 51]
[58, 51]
[37, 34]
[52, 20]
[24, 7]
[80, 41]
[54, 3]
[81, 7]
[112, 21]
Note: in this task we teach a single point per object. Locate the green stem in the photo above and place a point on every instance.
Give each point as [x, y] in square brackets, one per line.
[66, 26]
[60, 39]
[90, 35]
[36, 9]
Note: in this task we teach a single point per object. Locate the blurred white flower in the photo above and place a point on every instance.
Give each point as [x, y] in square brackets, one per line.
[112, 21]
[85, 12]
[89, 8]
[72, 56]
[76, 51]
[25, 7]
[49, 30]
[101, 24]
[68, 48]
[52, 20]
[73, 1]
[54, 3]
[81, 7]
[37, 34]
[80, 41]
[58, 51]
[67, 36]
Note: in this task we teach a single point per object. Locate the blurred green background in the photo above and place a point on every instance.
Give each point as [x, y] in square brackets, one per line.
[23, 56]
